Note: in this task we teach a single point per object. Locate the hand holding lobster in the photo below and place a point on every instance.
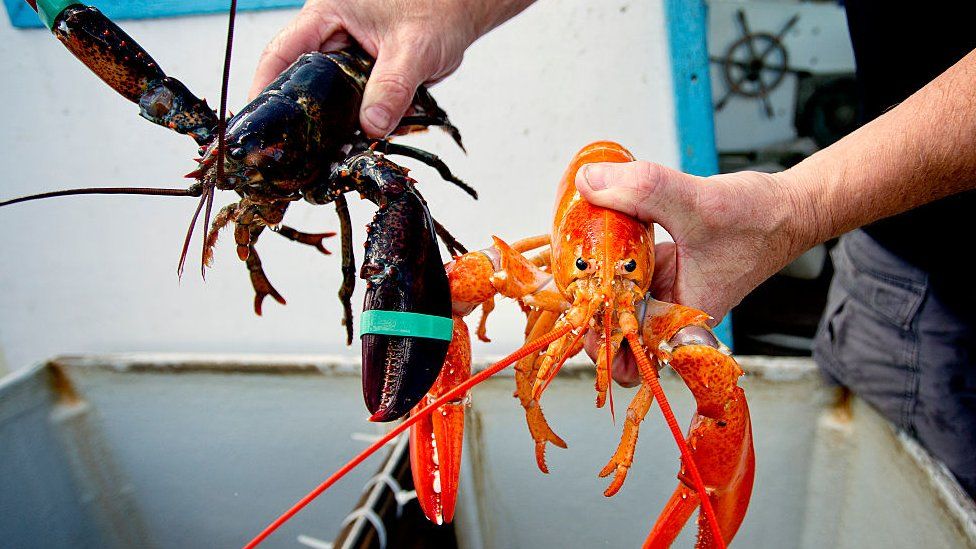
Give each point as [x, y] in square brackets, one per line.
[413, 43]
[724, 245]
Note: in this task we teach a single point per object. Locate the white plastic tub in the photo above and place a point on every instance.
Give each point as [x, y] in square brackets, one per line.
[202, 451]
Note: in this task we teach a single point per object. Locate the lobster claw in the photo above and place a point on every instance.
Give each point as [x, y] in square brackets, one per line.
[436, 440]
[404, 273]
[124, 65]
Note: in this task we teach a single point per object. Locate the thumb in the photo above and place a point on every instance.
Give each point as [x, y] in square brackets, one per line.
[305, 33]
[391, 88]
[650, 192]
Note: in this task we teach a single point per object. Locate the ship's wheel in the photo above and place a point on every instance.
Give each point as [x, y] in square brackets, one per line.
[755, 64]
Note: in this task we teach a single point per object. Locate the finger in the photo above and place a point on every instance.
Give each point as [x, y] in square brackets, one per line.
[400, 68]
[306, 33]
[591, 344]
[624, 369]
[650, 192]
[665, 272]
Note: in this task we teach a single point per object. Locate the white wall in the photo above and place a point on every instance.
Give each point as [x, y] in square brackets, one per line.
[97, 274]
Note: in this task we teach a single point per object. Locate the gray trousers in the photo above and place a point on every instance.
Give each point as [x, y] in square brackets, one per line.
[895, 344]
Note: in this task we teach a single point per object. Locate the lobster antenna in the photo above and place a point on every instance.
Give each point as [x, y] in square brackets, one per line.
[650, 376]
[101, 190]
[189, 233]
[221, 131]
[606, 342]
[207, 196]
[531, 347]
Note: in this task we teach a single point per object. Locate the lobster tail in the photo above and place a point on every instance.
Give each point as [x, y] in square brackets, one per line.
[406, 286]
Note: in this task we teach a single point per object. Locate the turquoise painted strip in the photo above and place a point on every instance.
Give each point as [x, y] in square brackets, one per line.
[687, 22]
[22, 16]
[405, 324]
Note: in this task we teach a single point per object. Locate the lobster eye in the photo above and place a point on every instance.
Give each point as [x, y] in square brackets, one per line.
[581, 264]
[237, 153]
[630, 266]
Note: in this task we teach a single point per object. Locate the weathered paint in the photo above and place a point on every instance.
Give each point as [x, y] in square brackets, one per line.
[687, 28]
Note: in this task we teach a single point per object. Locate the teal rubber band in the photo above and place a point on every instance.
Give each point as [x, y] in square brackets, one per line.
[398, 323]
[49, 10]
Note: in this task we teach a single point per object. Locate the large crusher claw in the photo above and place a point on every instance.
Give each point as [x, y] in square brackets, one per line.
[720, 436]
[121, 63]
[404, 273]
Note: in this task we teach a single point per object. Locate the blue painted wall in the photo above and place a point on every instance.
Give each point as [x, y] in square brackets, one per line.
[687, 22]
[22, 15]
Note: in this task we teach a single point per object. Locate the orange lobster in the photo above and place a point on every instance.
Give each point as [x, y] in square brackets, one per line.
[595, 274]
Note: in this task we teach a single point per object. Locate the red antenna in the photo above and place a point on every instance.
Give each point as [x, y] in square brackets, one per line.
[649, 375]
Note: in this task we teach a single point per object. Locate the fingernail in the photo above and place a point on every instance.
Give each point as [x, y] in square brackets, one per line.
[595, 176]
[379, 118]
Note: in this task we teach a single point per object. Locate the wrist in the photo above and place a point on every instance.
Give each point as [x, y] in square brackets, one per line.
[803, 213]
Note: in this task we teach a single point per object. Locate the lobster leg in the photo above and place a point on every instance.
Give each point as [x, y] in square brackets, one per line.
[262, 286]
[486, 308]
[454, 247]
[436, 440]
[430, 159]
[311, 239]
[226, 215]
[250, 221]
[348, 264]
[474, 280]
[553, 359]
[720, 436]
[426, 112]
[623, 457]
[525, 375]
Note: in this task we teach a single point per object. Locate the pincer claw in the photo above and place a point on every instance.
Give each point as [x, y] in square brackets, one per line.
[436, 440]
[405, 276]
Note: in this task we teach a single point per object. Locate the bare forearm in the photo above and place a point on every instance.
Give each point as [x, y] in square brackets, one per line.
[922, 150]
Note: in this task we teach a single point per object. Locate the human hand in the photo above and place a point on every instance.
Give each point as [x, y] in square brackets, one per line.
[413, 42]
[730, 231]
